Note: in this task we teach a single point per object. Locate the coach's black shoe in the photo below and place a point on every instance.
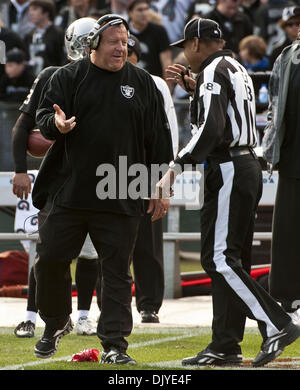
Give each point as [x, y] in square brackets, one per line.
[149, 316]
[208, 357]
[273, 346]
[114, 356]
[47, 345]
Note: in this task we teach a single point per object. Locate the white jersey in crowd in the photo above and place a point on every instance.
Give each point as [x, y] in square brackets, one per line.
[173, 14]
[23, 26]
[170, 111]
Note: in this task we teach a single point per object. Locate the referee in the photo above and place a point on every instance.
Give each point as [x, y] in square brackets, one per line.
[223, 127]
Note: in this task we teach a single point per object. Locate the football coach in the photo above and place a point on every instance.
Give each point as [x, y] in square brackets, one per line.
[96, 109]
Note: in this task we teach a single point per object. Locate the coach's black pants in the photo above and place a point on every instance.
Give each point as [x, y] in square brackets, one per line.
[62, 233]
[148, 264]
[86, 276]
[233, 190]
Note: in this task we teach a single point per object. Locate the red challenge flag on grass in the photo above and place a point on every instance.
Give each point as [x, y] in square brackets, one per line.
[87, 355]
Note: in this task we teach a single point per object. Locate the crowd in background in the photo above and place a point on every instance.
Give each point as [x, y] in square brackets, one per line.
[33, 32]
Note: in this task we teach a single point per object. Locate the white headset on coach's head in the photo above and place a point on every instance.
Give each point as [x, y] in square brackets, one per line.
[102, 24]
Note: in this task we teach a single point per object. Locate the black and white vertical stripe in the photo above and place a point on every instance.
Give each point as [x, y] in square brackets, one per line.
[225, 108]
[222, 243]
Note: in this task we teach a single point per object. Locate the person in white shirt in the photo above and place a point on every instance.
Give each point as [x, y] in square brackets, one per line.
[148, 259]
[173, 14]
[16, 17]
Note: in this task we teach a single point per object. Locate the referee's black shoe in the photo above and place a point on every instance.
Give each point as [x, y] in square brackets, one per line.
[47, 345]
[208, 357]
[273, 346]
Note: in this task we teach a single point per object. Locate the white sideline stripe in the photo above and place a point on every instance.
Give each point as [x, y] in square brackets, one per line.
[168, 364]
[36, 363]
[158, 341]
[135, 345]
[270, 366]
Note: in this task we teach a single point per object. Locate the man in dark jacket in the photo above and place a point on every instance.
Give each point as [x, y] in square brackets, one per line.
[281, 149]
[235, 25]
[289, 23]
[45, 44]
[17, 79]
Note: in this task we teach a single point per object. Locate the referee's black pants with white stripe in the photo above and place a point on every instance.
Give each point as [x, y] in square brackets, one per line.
[62, 233]
[232, 191]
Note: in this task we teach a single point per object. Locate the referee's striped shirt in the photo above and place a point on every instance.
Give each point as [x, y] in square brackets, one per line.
[222, 111]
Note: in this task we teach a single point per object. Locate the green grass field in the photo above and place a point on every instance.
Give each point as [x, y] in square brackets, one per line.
[158, 351]
[153, 349]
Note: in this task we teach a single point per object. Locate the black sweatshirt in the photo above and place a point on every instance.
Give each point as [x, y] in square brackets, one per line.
[15, 89]
[117, 114]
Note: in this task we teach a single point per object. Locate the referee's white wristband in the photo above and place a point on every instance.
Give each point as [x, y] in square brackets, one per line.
[175, 167]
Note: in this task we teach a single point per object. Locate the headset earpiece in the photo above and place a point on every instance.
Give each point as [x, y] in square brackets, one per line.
[106, 21]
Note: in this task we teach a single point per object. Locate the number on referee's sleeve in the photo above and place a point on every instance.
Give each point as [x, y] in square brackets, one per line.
[211, 87]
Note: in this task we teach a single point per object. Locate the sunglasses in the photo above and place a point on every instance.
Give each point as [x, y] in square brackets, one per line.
[291, 24]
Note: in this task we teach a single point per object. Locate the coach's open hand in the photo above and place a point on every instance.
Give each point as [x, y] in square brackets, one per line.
[160, 202]
[64, 125]
[159, 207]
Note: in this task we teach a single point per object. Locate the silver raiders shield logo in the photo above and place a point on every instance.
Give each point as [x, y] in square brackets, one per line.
[127, 91]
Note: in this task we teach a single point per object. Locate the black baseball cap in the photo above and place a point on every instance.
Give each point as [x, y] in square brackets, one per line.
[134, 45]
[15, 55]
[199, 28]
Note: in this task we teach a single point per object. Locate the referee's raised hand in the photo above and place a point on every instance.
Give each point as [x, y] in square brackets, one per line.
[182, 76]
[64, 125]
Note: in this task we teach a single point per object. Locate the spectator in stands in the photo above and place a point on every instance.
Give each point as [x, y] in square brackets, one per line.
[234, 24]
[289, 23]
[267, 17]
[16, 17]
[250, 7]
[45, 44]
[17, 79]
[198, 8]
[120, 7]
[252, 50]
[74, 10]
[103, 5]
[11, 40]
[252, 53]
[59, 4]
[156, 53]
[173, 15]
